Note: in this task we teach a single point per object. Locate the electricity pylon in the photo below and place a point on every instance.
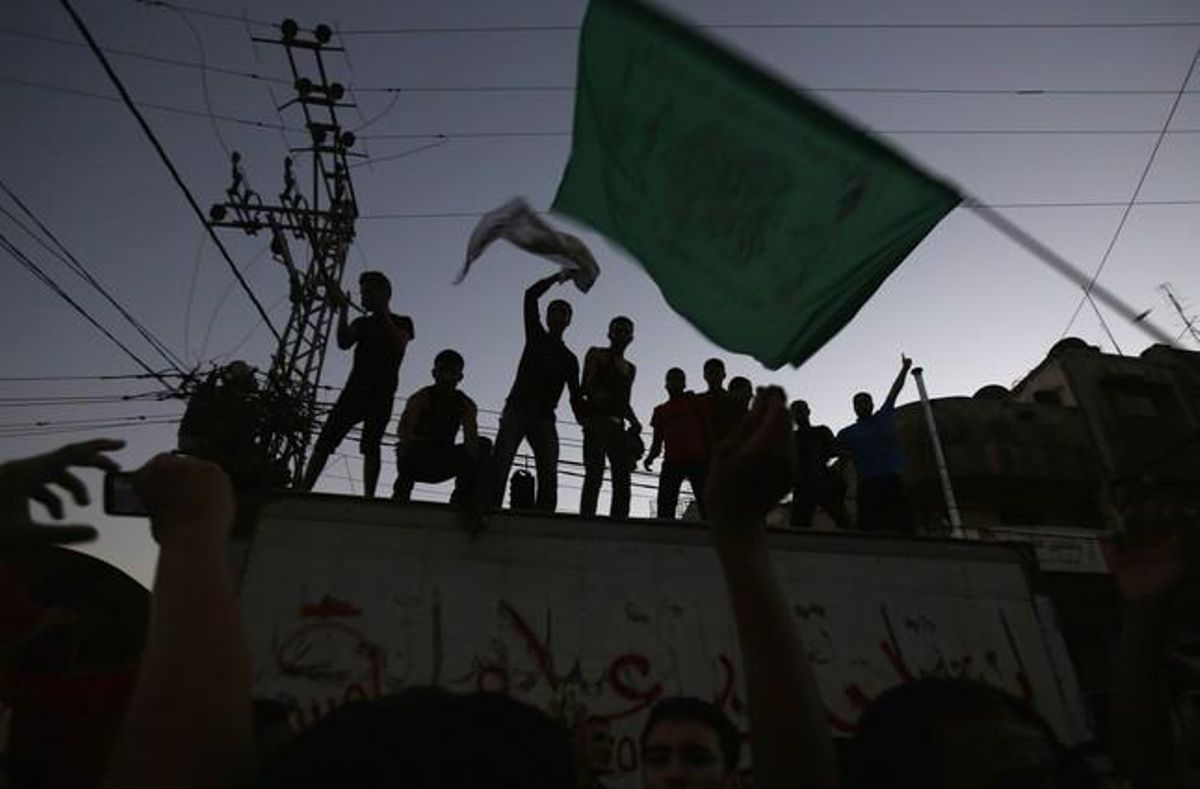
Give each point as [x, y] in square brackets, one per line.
[321, 222]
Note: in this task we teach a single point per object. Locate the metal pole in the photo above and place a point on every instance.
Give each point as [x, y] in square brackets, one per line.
[943, 473]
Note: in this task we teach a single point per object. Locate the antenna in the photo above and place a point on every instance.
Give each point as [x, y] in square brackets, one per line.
[1189, 322]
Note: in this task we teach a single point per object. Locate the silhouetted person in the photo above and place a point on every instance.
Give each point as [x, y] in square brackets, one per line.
[428, 429]
[741, 391]
[871, 442]
[679, 426]
[607, 386]
[379, 339]
[546, 366]
[713, 403]
[816, 484]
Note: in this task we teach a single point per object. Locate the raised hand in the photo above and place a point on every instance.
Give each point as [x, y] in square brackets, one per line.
[30, 478]
[188, 498]
[751, 469]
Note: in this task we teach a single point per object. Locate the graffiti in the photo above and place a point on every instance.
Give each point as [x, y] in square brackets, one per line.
[328, 608]
[328, 652]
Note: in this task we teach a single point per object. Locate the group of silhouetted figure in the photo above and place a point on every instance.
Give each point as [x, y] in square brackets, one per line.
[184, 716]
[687, 427]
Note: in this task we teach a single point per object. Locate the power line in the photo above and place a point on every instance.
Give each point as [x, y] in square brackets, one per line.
[1130, 25]
[502, 134]
[167, 108]
[118, 377]
[68, 259]
[1034, 204]
[183, 9]
[146, 56]
[49, 282]
[430, 89]
[900, 91]
[112, 75]
[1087, 292]
[816, 26]
[72, 400]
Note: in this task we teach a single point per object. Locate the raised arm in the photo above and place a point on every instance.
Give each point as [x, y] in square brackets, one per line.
[533, 321]
[898, 384]
[188, 722]
[751, 472]
[347, 333]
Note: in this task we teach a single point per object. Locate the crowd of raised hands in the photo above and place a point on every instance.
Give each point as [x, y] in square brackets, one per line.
[188, 721]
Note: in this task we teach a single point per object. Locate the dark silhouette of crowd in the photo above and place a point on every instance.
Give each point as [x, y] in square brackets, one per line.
[686, 427]
[187, 719]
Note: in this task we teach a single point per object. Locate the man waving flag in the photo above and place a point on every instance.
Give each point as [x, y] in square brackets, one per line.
[766, 220]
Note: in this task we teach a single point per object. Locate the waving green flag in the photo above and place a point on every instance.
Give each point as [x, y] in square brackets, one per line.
[766, 220]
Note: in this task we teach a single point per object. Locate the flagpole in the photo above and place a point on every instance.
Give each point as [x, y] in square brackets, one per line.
[956, 525]
[1063, 266]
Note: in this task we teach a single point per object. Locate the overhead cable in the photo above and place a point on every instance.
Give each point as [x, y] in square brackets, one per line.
[68, 259]
[1087, 291]
[125, 97]
[24, 260]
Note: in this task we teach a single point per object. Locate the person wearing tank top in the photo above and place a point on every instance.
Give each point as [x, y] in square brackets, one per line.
[428, 429]
[607, 385]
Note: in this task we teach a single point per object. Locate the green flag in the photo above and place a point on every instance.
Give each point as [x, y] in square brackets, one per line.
[766, 220]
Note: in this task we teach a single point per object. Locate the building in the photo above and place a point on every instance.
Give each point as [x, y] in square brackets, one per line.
[1047, 461]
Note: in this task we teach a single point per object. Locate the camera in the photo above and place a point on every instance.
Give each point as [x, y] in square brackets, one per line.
[119, 496]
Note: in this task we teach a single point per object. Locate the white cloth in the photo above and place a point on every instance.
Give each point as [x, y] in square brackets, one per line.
[521, 225]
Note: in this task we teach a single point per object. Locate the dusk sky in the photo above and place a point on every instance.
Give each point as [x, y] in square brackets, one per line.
[1050, 111]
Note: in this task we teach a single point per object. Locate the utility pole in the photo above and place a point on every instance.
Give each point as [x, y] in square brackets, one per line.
[321, 221]
[1189, 322]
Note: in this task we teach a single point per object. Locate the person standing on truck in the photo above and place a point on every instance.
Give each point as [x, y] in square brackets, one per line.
[713, 403]
[871, 444]
[379, 339]
[815, 484]
[429, 426]
[607, 386]
[678, 425]
[546, 366]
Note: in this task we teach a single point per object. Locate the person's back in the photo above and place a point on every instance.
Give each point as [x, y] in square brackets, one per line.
[427, 738]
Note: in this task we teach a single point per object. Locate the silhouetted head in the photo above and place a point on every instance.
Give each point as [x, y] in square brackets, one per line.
[558, 317]
[375, 291]
[940, 733]
[676, 381]
[800, 413]
[448, 367]
[620, 332]
[427, 738]
[688, 742]
[864, 406]
[714, 373]
[741, 391]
